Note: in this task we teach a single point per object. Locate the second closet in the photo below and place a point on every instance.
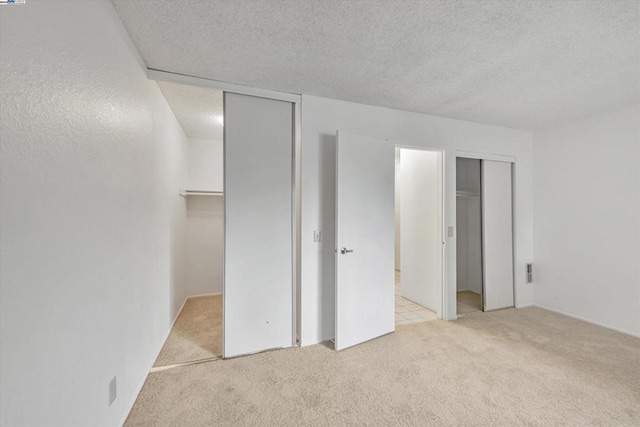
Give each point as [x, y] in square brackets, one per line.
[484, 242]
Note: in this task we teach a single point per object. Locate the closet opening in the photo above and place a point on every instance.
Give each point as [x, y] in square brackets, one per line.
[237, 217]
[196, 334]
[469, 286]
[484, 239]
[418, 235]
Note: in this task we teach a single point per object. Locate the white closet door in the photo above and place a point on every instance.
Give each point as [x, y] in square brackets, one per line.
[497, 235]
[365, 280]
[258, 266]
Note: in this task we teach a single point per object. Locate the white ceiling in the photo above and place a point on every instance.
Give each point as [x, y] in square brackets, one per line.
[196, 108]
[520, 63]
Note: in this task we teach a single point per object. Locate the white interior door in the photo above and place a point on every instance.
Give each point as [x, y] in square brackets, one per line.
[365, 172]
[421, 227]
[497, 235]
[258, 241]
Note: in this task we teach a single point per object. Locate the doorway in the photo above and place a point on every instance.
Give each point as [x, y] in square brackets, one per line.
[365, 236]
[418, 235]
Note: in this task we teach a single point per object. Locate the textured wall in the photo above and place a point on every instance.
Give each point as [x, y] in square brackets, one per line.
[92, 225]
[587, 227]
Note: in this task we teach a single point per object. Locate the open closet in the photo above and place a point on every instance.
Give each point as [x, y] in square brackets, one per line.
[484, 240]
[239, 279]
[469, 236]
[197, 331]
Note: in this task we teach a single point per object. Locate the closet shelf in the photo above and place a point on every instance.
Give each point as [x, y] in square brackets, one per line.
[466, 194]
[185, 193]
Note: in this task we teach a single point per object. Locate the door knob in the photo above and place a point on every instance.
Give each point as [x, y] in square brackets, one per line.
[345, 251]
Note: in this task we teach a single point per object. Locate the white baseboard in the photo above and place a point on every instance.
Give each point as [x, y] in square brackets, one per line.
[203, 295]
[468, 290]
[526, 305]
[593, 322]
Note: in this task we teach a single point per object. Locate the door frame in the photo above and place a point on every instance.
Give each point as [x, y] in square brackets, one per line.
[499, 158]
[443, 228]
[296, 161]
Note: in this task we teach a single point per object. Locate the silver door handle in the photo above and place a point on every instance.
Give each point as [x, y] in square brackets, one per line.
[345, 251]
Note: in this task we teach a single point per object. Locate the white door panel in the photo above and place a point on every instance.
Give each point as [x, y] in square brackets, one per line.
[258, 266]
[497, 235]
[365, 173]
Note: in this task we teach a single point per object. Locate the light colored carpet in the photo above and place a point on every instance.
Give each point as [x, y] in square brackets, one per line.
[509, 367]
[197, 333]
[468, 302]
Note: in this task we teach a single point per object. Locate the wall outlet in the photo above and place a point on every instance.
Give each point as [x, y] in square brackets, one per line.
[113, 390]
[317, 236]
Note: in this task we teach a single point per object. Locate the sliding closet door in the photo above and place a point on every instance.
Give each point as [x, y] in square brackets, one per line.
[258, 260]
[497, 235]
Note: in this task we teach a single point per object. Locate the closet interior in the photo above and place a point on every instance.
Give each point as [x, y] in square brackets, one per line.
[469, 236]
[484, 242]
[197, 332]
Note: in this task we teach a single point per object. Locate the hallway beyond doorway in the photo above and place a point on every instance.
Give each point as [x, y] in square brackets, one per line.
[409, 312]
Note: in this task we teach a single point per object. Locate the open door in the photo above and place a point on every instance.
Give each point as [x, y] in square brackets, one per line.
[497, 235]
[365, 173]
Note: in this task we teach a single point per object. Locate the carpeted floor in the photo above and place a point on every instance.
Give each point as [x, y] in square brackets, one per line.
[509, 367]
[197, 333]
[468, 302]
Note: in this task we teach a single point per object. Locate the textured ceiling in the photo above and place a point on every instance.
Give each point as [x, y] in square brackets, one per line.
[524, 64]
[196, 108]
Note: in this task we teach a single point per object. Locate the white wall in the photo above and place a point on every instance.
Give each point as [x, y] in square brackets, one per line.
[421, 227]
[321, 118]
[205, 217]
[91, 247]
[587, 227]
[205, 164]
[398, 211]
